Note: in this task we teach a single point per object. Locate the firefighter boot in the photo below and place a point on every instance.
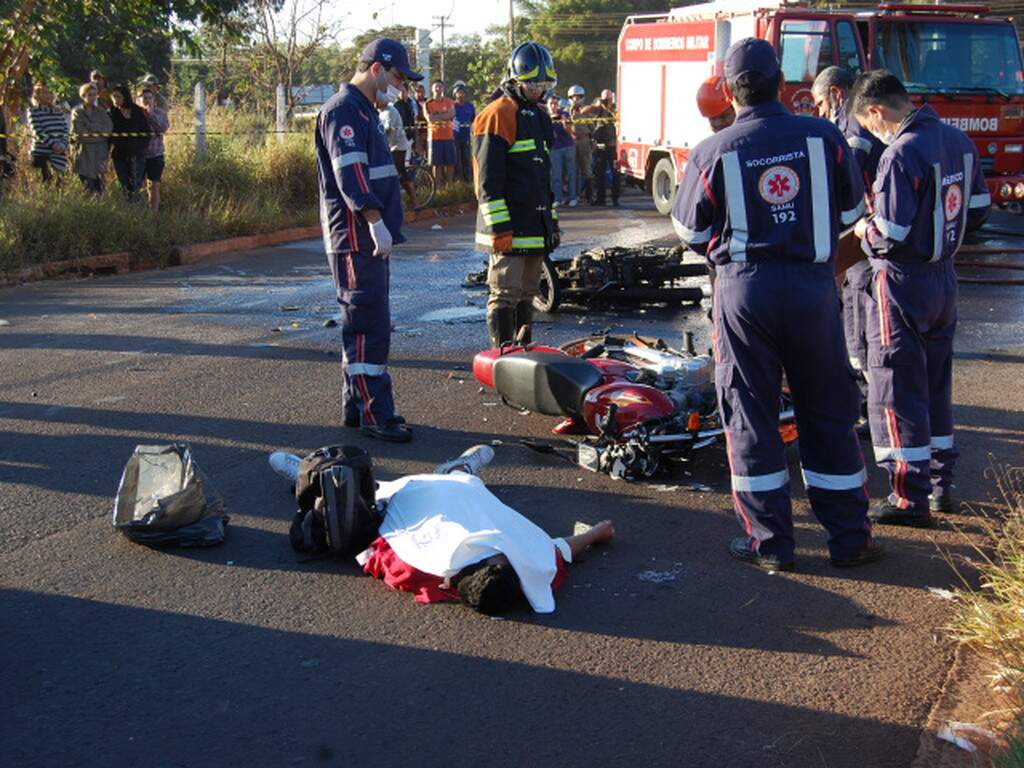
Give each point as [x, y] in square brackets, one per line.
[501, 325]
[524, 322]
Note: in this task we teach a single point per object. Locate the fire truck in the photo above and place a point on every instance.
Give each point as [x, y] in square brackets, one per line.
[959, 59]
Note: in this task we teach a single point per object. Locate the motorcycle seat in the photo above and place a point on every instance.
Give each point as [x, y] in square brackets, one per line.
[545, 382]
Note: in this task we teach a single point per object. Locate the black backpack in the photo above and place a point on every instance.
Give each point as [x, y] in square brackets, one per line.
[337, 512]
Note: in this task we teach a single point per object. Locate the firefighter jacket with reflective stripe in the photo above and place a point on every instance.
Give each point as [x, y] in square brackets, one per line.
[356, 171]
[512, 175]
[928, 192]
[771, 187]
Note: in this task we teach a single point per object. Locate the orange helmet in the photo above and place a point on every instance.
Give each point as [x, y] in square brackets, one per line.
[713, 97]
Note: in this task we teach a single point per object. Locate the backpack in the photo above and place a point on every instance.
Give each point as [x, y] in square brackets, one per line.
[337, 512]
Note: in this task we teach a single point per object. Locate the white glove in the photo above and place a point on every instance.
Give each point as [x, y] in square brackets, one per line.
[381, 238]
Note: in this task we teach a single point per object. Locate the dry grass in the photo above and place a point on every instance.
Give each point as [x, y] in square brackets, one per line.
[991, 617]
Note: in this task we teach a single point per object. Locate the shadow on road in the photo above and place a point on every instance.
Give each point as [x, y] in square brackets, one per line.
[147, 687]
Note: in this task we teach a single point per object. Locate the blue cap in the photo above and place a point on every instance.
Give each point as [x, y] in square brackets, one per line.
[390, 53]
[751, 54]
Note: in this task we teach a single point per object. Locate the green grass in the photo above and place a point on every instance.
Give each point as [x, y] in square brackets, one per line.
[239, 187]
[991, 617]
[246, 183]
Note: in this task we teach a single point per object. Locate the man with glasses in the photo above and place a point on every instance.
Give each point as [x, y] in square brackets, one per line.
[361, 216]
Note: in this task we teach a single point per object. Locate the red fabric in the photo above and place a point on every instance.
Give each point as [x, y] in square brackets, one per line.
[384, 564]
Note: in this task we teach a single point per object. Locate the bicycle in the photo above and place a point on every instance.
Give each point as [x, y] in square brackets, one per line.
[422, 178]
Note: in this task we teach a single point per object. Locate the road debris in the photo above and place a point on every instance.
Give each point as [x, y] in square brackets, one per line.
[660, 577]
[330, 323]
[943, 594]
[957, 733]
[4, 323]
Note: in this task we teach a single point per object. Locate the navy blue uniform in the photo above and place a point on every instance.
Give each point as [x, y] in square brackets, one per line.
[868, 151]
[356, 172]
[765, 200]
[928, 192]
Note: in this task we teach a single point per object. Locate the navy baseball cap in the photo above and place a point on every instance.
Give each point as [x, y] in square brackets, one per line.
[390, 53]
[751, 54]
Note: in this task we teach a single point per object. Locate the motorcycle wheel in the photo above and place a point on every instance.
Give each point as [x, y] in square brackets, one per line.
[550, 295]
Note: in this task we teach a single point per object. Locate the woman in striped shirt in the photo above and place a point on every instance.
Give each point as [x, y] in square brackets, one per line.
[49, 134]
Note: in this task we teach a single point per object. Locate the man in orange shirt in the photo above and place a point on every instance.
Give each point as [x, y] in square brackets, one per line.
[440, 117]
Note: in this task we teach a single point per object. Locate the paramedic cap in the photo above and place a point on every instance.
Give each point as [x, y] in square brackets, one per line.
[751, 54]
[391, 53]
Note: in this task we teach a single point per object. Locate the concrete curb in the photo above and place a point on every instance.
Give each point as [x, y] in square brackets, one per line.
[197, 253]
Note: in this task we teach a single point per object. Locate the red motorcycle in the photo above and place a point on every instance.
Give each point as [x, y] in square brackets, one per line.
[632, 402]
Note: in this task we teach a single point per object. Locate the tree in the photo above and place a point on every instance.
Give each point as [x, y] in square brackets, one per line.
[36, 34]
[582, 36]
[288, 36]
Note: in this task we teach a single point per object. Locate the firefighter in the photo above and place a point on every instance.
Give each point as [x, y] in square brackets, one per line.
[584, 143]
[361, 216]
[830, 92]
[928, 192]
[715, 103]
[515, 222]
[606, 154]
[765, 201]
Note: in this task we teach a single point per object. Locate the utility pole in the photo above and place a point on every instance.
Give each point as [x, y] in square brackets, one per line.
[444, 21]
[511, 24]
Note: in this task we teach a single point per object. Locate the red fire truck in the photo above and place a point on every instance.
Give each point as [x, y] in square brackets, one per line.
[959, 59]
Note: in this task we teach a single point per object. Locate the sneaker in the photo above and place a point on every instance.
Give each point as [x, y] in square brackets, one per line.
[941, 504]
[471, 461]
[869, 554]
[887, 513]
[556, 204]
[393, 430]
[741, 549]
[286, 465]
[573, 203]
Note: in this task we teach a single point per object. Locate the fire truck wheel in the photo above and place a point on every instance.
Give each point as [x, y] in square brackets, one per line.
[663, 186]
[550, 295]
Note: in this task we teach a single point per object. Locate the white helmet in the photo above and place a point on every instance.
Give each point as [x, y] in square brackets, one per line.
[576, 90]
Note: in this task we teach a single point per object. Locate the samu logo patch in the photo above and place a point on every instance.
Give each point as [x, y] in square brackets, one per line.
[778, 185]
[954, 201]
[347, 132]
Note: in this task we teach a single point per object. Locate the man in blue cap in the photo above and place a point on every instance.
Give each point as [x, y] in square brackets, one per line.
[361, 216]
[765, 200]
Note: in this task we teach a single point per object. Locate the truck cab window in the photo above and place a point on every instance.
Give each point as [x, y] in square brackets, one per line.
[849, 56]
[805, 49]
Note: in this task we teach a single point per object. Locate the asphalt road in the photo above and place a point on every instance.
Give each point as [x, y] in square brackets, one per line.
[663, 651]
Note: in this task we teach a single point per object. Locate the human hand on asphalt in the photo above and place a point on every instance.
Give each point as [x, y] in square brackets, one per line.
[381, 238]
[502, 243]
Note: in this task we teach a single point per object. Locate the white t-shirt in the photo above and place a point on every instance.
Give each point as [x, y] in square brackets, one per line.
[395, 129]
[440, 524]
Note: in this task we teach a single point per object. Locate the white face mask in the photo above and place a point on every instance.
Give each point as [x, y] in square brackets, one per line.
[394, 94]
[383, 88]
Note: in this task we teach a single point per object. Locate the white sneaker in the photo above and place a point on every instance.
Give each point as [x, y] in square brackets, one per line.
[573, 203]
[555, 205]
[286, 465]
[471, 461]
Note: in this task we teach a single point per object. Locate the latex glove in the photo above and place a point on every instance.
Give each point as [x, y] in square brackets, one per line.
[381, 238]
[860, 228]
[502, 243]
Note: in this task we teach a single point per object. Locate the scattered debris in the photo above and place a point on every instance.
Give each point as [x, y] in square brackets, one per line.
[700, 488]
[289, 308]
[4, 323]
[956, 733]
[664, 488]
[579, 528]
[330, 322]
[944, 594]
[496, 443]
[436, 226]
[276, 329]
[296, 324]
[660, 577]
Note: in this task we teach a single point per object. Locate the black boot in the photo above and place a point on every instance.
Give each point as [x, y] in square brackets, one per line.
[501, 325]
[524, 317]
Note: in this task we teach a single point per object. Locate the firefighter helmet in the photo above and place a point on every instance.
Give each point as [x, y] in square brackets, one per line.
[531, 63]
[713, 97]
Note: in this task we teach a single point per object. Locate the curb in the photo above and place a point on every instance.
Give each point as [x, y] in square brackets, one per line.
[124, 262]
